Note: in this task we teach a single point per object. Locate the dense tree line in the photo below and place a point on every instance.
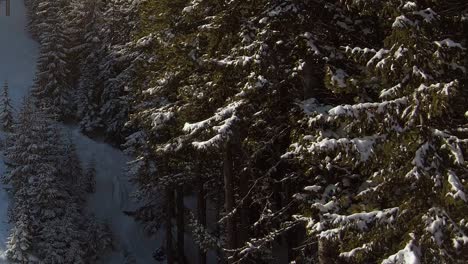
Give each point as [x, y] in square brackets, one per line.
[48, 188]
[317, 131]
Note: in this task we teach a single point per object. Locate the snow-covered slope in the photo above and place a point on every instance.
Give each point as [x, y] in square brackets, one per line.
[18, 53]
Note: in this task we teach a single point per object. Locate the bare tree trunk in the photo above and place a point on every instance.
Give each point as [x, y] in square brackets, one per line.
[229, 199]
[244, 210]
[465, 30]
[180, 225]
[218, 207]
[170, 215]
[7, 7]
[201, 211]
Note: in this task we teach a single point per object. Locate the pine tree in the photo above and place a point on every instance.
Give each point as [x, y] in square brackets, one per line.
[7, 110]
[50, 224]
[336, 128]
[222, 85]
[51, 86]
[117, 66]
[386, 171]
[16, 155]
[20, 242]
[89, 87]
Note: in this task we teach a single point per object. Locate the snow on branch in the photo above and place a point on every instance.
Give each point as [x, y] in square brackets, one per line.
[402, 21]
[358, 50]
[386, 93]
[420, 155]
[378, 57]
[361, 220]
[350, 254]
[448, 43]
[441, 88]
[363, 146]
[338, 77]
[427, 15]
[456, 187]
[220, 114]
[439, 225]
[236, 61]
[191, 7]
[221, 122]
[358, 220]
[420, 162]
[160, 118]
[355, 110]
[452, 143]
[408, 255]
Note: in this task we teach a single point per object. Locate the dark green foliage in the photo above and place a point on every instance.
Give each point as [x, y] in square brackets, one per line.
[342, 123]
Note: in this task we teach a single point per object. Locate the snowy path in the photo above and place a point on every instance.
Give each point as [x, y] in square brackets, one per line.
[18, 53]
[112, 197]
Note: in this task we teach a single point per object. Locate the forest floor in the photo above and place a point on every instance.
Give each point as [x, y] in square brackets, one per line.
[18, 54]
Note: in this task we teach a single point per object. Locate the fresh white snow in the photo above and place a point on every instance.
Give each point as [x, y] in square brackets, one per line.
[18, 53]
[408, 255]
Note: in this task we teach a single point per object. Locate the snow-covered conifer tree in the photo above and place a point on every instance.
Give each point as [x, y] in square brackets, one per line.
[6, 115]
[51, 86]
[50, 224]
[386, 177]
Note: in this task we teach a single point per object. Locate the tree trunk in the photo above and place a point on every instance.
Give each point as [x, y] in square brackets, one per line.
[465, 30]
[180, 225]
[229, 200]
[7, 7]
[244, 210]
[218, 208]
[170, 215]
[201, 211]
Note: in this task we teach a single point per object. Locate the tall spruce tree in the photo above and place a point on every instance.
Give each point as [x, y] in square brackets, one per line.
[386, 173]
[6, 115]
[196, 106]
[51, 85]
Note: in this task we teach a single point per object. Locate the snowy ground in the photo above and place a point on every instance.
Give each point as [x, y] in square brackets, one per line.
[112, 197]
[18, 53]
